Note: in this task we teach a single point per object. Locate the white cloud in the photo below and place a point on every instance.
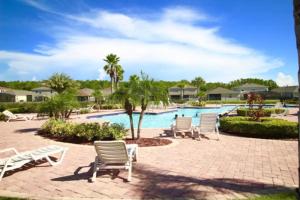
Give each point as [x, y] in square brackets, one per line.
[102, 74]
[285, 79]
[165, 48]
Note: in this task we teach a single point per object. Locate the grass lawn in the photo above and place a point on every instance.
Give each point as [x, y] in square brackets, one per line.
[279, 196]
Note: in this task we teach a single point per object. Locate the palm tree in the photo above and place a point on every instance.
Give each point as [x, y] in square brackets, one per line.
[61, 82]
[126, 96]
[297, 32]
[182, 85]
[119, 75]
[110, 68]
[147, 90]
[198, 82]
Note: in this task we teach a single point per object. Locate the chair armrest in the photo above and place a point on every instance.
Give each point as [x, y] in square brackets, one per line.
[9, 149]
[132, 150]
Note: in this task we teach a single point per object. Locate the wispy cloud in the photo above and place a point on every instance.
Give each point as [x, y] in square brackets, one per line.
[283, 79]
[171, 46]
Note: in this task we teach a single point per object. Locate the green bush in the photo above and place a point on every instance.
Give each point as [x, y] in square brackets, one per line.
[2, 117]
[85, 132]
[267, 128]
[266, 111]
[111, 106]
[180, 101]
[25, 107]
[196, 103]
[84, 111]
[238, 102]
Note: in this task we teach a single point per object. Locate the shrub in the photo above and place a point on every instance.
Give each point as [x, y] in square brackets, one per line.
[2, 117]
[25, 107]
[238, 102]
[267, 128]
[196, 103]
[111, 106]
[266, 111]
[85, 132]
[84, 111]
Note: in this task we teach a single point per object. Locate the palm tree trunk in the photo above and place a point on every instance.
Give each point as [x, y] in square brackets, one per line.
[140, 124]
[111, 85]
[131, 126]
[297, 32]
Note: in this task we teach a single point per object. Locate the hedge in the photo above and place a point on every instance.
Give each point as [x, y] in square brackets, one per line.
[25, 107]
[85, 132]
[238, 101]
[267, 128]
[267, 111]
[196, 103]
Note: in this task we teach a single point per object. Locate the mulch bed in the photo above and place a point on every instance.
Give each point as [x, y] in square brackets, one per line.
[142, 142]
[148, 142]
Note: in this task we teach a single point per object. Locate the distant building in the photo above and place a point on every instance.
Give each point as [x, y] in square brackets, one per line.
[287, 92]
[86, 94]
[10, 95]
[251, 87]
[43, 93]
[222, 94]
[188, 92]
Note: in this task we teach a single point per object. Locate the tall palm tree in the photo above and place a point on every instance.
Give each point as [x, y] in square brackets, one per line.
[112, 61]
[119, 75]
[146, 90]
[297, 33]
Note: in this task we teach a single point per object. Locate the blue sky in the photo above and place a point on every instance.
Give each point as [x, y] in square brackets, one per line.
[220, 40]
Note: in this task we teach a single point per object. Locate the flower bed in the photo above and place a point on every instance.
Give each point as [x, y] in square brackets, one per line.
[266, 128]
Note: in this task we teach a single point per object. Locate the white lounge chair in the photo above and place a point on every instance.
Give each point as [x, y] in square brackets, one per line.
[114, 155]
[208, 124]
[20, 159]
[182, 124]
[10, 116]
[284, 113]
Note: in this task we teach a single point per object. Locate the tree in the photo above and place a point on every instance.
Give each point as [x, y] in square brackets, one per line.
[119, 75]
[182, 85]
[98, 97]
[126, 96]
[112, 61]
[198, 82]
[147, 91]
[297, 33]
[61, 82]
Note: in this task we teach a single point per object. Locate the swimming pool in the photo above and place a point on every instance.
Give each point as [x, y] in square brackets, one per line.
[163, 120]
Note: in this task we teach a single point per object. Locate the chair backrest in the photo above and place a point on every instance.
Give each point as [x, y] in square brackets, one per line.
[208, 121]
[183, 123]
[9, 114]
[112, 152]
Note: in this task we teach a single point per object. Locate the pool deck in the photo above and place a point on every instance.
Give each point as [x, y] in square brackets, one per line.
[234, 167]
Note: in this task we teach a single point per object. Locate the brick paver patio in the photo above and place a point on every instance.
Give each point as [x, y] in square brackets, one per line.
[233, 167]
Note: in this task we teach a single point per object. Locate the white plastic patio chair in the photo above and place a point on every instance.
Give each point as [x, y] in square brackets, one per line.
[20, 159]
[114, 155]
[10, 116]
[208, 124]
[182, 124]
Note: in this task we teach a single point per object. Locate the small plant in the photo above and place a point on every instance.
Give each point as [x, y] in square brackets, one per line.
[256, 113]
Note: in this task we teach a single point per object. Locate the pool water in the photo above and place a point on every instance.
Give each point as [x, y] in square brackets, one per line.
[163, 120]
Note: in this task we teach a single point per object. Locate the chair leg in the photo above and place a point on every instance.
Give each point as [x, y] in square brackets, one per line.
[129, 172]
[217, 130]
[95, 169]
[54, 163]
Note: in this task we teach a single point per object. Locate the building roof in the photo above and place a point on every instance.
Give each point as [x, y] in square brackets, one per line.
[42, 89]
[251, 85]
[285, 89]
[18, 92]
[85, 92]
[185, 87]
[220, 90]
